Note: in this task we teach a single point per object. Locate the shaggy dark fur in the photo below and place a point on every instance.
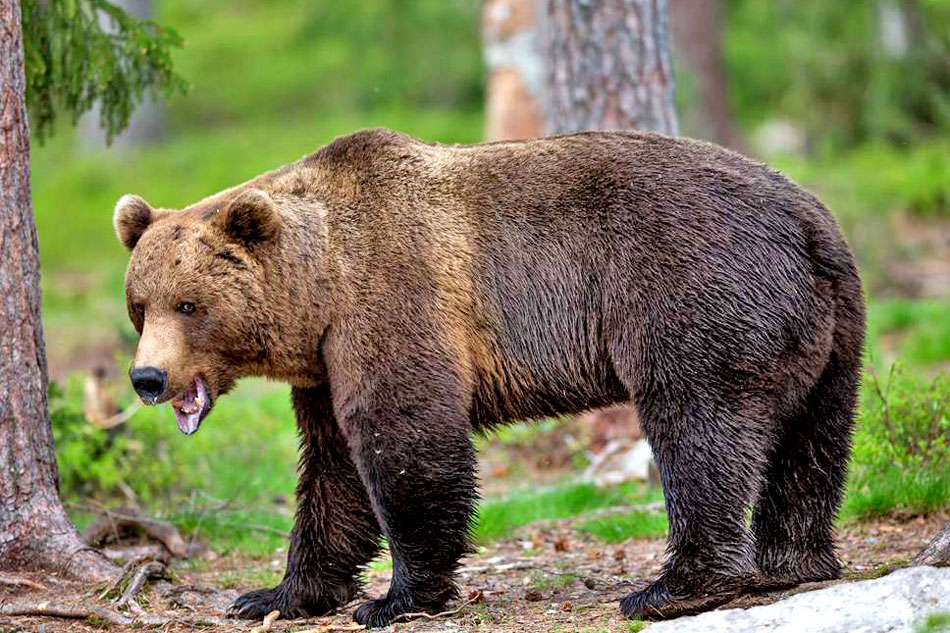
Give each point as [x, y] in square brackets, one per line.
[412, 293]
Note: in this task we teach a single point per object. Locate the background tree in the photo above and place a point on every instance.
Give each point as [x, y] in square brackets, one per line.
[609, 66]
[514, 86]
[697, 43]
[65, 62]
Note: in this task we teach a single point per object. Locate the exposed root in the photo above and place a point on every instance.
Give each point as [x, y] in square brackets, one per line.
[10, 581]
[113, 521]
[78, 612]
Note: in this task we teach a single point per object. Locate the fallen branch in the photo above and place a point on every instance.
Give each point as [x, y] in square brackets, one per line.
[137, 582]
[65, 611]
[122, 577]
[114, 520]
[268, 622]
[77, 612]
[442, 614]
[10, 581]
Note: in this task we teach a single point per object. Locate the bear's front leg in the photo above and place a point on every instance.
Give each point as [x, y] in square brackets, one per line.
[412, 444]
[336, 532]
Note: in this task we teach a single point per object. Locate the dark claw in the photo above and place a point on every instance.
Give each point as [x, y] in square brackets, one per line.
[382, 611]
[254, 605]
[657, 603]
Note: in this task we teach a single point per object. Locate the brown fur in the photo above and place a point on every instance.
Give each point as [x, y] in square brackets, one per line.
[413, 292]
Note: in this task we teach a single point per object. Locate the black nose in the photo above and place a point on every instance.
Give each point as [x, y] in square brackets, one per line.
[149, 382]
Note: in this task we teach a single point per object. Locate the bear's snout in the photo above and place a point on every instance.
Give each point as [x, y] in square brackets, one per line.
[149, 383]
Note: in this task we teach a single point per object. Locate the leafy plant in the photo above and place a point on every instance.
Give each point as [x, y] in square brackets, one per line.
[82, 52]
[902, 446]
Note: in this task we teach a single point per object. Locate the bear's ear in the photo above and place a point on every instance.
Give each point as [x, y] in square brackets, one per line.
[132, 216]
[250, 218]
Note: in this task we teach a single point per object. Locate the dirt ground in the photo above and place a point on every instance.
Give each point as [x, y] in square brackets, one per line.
[549, 577]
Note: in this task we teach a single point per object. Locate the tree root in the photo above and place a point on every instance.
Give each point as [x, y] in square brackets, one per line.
[9, 581]
[113, 521]
[78, 612]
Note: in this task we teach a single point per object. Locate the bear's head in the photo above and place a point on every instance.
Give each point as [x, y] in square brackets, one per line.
[195, 292]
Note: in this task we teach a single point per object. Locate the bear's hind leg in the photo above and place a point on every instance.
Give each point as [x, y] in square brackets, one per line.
[336, 532]
[710, 461]
[793, 517]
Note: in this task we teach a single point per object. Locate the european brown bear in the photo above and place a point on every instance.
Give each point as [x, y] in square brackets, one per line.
[413, 293]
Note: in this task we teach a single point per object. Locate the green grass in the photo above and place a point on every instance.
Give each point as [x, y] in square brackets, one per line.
[935, 623]
[615, 528]
[545, 580]
[498, 518]
[901, 446]
[918, 332]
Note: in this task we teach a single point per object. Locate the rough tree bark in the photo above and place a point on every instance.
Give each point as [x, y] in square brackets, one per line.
[697, 43]
[609, 66]
[35, 532]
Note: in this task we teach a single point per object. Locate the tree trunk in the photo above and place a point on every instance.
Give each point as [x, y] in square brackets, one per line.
[34, 529]
[511, 38]
[609, 66]
[937, 551]
[697, 42]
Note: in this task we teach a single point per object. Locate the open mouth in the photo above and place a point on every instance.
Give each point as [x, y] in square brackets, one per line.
[191, 405]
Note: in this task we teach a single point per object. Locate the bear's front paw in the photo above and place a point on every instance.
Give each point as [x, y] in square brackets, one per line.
[254, 605]
[382, 611]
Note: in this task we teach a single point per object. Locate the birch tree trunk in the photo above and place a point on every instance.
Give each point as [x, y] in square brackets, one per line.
[34, 529]
[610, 66]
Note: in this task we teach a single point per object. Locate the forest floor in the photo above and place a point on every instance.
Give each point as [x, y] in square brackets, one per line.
[547, 576]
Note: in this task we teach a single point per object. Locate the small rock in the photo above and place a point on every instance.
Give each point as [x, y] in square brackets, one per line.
[533, 595]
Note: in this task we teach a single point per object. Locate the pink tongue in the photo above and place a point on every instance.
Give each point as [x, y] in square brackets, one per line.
[188, 422]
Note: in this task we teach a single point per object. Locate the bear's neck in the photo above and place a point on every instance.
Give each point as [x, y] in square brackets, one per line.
[299, 283]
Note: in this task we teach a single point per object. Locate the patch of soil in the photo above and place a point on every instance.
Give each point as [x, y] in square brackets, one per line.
[548, 577]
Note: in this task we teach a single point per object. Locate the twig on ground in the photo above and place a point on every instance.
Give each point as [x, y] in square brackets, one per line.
[335, 628]
[115, 584]
[11, 581]
[137, 582]
[268, 621]
[442, 614]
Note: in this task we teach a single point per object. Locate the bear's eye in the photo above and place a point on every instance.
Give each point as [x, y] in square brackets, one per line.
[186, 307]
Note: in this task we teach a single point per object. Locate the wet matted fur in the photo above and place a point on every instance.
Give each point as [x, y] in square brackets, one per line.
[412, 293]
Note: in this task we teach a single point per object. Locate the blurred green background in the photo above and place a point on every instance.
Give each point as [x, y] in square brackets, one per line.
[865, 128]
